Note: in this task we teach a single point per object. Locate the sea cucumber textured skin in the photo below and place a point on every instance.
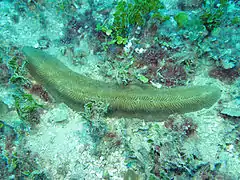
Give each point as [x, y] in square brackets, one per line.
[142, 102]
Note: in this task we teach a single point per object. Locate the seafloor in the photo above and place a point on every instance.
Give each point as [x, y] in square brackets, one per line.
[129, 43]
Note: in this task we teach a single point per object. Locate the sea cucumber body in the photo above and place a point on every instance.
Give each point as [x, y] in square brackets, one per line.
[75, 90]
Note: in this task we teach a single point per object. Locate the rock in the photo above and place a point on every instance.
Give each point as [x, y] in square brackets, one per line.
[3, 108]
[58, 114]
[233, 112]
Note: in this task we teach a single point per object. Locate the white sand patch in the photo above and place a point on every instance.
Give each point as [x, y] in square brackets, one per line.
[65, 148]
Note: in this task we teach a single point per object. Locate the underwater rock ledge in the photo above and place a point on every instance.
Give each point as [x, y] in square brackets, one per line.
[141, 102]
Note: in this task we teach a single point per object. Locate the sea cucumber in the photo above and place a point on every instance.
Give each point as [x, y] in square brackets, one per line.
[147, 102]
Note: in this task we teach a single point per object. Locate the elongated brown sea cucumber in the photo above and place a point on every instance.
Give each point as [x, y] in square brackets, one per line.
[148, 102]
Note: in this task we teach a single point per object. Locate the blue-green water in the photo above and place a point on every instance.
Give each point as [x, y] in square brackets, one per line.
[79, 107]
